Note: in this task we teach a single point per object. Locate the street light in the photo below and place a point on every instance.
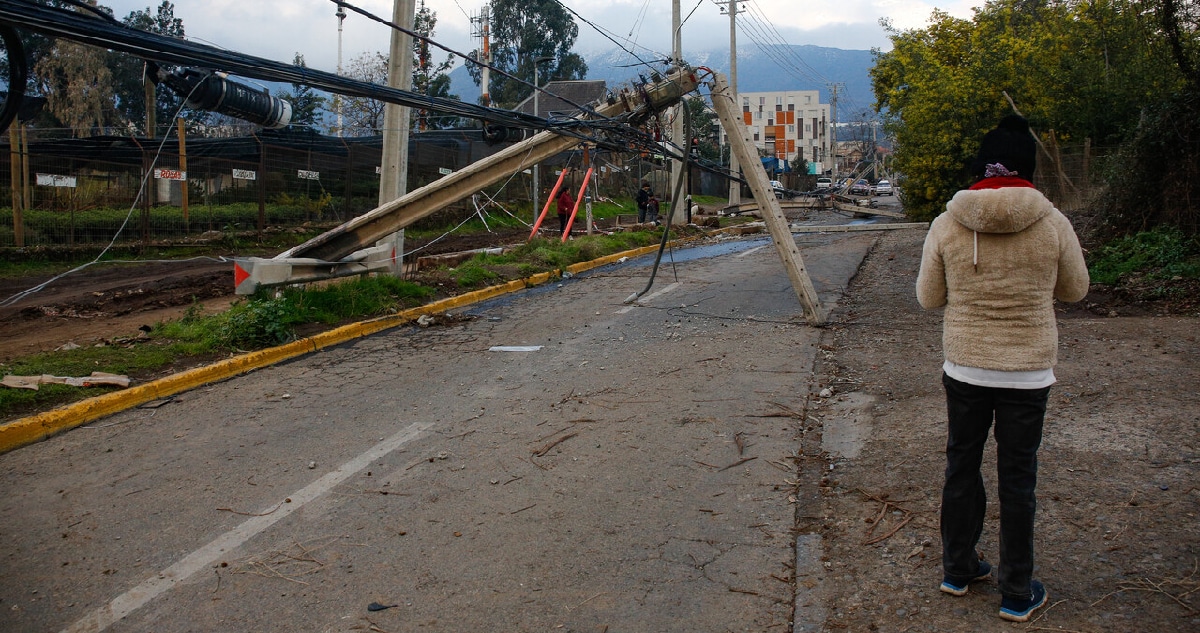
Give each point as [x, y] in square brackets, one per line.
[341, 16]
[536, 61]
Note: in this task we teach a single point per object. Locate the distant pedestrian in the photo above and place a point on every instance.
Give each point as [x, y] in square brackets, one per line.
[643, 201]
[652, 209]
[565, 203]
[996, 260]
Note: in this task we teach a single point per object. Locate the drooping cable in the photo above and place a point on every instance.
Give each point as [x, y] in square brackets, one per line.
[415, 35]
[670, 214]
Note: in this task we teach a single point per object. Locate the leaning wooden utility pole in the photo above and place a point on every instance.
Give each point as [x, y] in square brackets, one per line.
[781, 234]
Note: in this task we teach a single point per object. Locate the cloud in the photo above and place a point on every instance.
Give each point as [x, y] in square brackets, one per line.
[277, 29]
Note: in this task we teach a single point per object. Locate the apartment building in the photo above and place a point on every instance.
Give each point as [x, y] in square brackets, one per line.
[789, 124]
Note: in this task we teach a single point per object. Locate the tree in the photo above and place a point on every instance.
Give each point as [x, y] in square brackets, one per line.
[363, 115]
[77, 85]
[521, 32]
[1085, 70]
[128, 72]
[430, 78]
[307, 105]
[704, 128]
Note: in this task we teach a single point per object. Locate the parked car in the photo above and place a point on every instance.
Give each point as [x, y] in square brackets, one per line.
[781, 192]
[824, 182]
[861, 188]
[883, 188]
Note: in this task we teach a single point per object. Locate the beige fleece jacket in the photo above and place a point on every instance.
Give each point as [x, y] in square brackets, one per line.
[997, 260]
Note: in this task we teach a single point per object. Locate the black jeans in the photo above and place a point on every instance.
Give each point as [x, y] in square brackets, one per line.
[1018, 414]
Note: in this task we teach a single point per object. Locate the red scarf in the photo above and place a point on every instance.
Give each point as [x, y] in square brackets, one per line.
[999, 182]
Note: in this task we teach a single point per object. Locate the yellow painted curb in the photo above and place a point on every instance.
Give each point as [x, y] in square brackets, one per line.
[24, 431]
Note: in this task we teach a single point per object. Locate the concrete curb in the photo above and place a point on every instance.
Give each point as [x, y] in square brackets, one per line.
[25, 431]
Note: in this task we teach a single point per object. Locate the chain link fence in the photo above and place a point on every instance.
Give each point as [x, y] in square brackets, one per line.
[65, 191]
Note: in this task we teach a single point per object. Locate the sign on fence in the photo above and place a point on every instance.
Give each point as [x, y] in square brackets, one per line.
[54, 180]
[304, 174]
[170, 174]
[245, 174]
[445, 171]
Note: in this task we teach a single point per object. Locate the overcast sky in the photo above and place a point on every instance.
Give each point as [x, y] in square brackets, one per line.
[277, 29]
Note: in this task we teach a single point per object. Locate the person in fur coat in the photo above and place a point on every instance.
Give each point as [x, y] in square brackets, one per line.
[996, 260]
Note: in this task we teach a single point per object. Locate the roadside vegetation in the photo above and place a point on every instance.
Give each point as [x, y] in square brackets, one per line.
[1119, 75]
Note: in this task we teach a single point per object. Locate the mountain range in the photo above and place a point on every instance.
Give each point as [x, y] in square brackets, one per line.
[773, 69]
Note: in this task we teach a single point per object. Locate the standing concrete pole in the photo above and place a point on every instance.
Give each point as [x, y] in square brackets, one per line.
[677, 130]
[393, 178]
[735, 187]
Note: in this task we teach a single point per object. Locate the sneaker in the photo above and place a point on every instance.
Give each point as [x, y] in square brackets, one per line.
[1019, 609]
[959, 588]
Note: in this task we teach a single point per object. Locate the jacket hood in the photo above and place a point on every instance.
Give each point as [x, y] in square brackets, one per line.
[1005, 210]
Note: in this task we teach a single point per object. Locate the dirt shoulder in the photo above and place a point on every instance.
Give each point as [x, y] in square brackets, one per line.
[1118, 542]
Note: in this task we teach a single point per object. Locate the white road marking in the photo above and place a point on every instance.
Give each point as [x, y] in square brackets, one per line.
[152, 587]
[648, 297]
[745, 253]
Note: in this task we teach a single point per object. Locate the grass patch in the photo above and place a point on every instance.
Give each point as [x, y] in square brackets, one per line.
[256, 323]
[1162, 253]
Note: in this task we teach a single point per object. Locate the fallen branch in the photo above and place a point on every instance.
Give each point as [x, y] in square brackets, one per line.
[890, 532]
[546, 449]
[251, 514]
[738, 463]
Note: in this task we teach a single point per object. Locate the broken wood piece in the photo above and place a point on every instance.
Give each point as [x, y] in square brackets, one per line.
[96, 379]
[546, 449]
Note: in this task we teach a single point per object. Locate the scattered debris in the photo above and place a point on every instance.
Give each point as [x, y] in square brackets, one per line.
[96, 379]
[546, 449]
[375, 606]
[514, 348]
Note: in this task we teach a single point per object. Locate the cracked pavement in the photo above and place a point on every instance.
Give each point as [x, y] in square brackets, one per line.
[642, 470]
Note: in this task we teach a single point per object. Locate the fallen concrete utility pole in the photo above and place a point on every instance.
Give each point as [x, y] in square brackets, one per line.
[328, 249]
[764, 194]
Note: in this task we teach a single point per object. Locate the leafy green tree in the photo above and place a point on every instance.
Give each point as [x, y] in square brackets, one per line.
[307, 105]
[430, 77]
[128, 72]
[521, 32]
[1084, 70]
[704, 128]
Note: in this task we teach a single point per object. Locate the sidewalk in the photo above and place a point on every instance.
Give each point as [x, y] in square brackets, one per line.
[1117, 536]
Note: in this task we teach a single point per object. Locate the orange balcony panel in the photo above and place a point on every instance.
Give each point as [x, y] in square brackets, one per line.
[749, 117]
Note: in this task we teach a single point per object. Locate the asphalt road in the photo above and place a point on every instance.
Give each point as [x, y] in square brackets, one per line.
[618, 468]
